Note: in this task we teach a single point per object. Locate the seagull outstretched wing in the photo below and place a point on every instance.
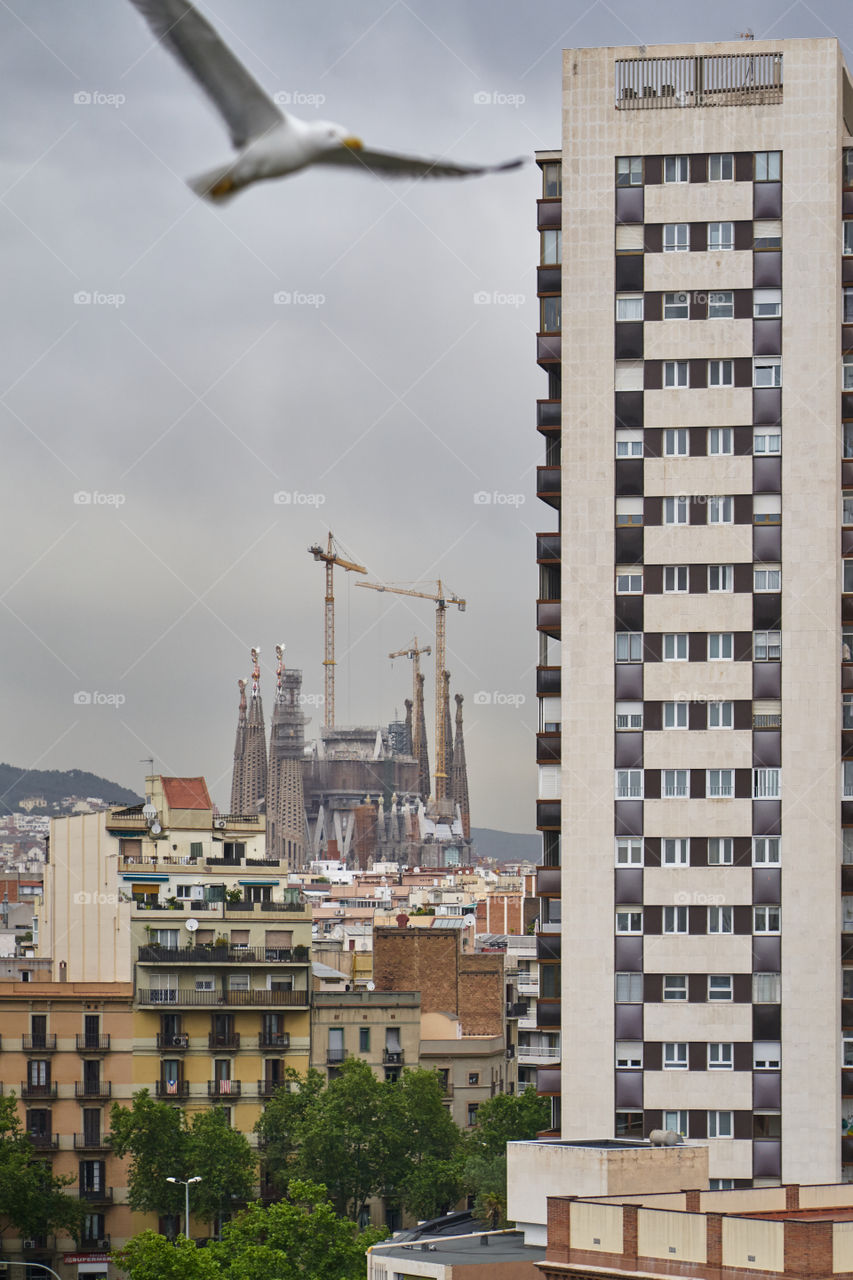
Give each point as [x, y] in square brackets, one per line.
[246, 109]
[391, 165]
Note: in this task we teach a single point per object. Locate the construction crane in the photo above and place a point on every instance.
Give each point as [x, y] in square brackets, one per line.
[330, 558]
[414, 653]
[442, 599]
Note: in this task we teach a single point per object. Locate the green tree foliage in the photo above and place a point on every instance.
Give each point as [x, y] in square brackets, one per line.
[32, 1201]
[301, 1237]
[504, 1118]
[162, 1144]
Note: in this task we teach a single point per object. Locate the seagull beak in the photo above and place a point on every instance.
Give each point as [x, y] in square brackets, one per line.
[353, 144]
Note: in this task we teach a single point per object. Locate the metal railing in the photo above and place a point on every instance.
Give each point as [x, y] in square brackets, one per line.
[223, 1040]
[37, 1090]
[38, 1044]
[44, 1141]
[224, 1088]
[93, 1043]
[205, 999]
[178, 1041]
[713, 80]
[274, 1040]
[91, 1142]
[101, 1195]
[172, 1089]
[153, 953]
[392, 1057]
[93, 1089]
[266, 1088]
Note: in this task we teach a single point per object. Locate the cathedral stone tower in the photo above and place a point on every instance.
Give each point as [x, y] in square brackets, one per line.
[249, 781]
[285, 807]
[459, 775]
[239, 774]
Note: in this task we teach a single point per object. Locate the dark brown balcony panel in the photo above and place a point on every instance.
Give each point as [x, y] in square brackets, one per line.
[767, 200]
[767, 406]
[548, 748]
[766, 1089]
[630, 272]
[548, 681]
[549, 280]
[766, 611]
[629, 408]
[628, 886]
[548, 815]
[629, 204]
[767, 544]
[766, 886]
[766, 1158]
[548, 617]
[628, 1021]
[767, 680]
[548, 946]
[548, 882]
[548, 348]
[629, 340]
[549, 213]
[767, 338]
[767, 269]
[847, 1084]
[847, 877]
[548, 1081]
[766, 1021]
[847, 1013]
[767, 475]
[767, 749]
[549, 414]
[628, 479]
[548, 548]
[548, 485]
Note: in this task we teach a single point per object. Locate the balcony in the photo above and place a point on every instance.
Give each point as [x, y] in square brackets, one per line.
[274, 1040]
[223, 1088]
[548, 815]
[207, 955]
[191, 999]
[91, 1142]
[771, 721]
[179, 1042]
[37, 1090]
[548, 748]
[548, 348]
[267, 1088]
[93, 1043]
[548, 618]
[548, 681]
[548, 414]
[172, 1089]
[97, 1244]
[548, 882]
[127, 820]
[537, 1055]
[99, 1090]
[548, 485]
[44, 1141]
[38, 1044]
[517, 1009]
[392, 1057]
[527, 984]
[715, 80]
[548, 548]
[223, 1040]
[92, 1195]
[334, 1057]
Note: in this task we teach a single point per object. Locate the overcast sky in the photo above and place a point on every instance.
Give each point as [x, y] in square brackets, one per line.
[181, 398]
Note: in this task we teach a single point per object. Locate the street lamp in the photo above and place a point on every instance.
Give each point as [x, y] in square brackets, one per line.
[186, 1183]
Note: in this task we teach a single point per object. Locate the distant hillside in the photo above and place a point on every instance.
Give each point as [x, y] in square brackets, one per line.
[506, 846]
[54, 785]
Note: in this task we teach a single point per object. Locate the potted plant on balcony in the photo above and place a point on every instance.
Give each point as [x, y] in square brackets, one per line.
[233, 895]
[300, 952]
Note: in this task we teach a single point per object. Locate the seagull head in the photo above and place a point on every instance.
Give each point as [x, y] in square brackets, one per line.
[335, 135]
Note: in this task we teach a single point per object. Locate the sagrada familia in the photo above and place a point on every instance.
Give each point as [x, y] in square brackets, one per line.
[364, 792]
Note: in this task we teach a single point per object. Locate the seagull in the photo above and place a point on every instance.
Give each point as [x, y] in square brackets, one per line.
[269, 142]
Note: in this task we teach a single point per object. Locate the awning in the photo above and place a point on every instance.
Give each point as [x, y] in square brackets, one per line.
[259, 882]
[145, 877]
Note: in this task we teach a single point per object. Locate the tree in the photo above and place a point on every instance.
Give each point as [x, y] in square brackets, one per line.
[504, 1118]
[279, 1127]
[32, 1200]
[431, 1158]
[300, 1237]
[161, 1144]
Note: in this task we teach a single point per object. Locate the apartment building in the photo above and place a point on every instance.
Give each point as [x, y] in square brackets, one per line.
[695, 754]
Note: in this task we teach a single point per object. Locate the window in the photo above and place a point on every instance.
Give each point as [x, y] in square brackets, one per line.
[629, 306]
[720, 1124]
[767, 580]
[766, 646]
[847, 305]
[552, 248]
[675, 1056]
[720, 1057]
[847, 779]
[766, 988]
[629, 988]
[766, 919]
[767, 234]
[675, 920]
[847, 507]
[847, 167]
[364, 1039]
[721, 306]
[675, 986]
[847, 585]
[238, 981]
[721, 235]
[720, 851]
[721, 1184]
[767, 371]
[766, 304]
[676, 1122]
[552, 180]
[720, 920]
[675, 646]
[629, 511]
[721, 577]
[766, 784]
[720, 441]
[721, 167]
[550, 314]
[765, 441]
[473, 1077]
[629, 443]
[721, 373]
[629, 582]
[205, 982]
[719, 986]
[629, 920]
[676, 444]
[629, 853]
[675, 783]
[768, 166]
[848, 237]
[720, 715]
[629, 715]
[629, 784]
[766, 1055]
[720, 782]
[676, 373]
[675, 852]
[720, 646]
[766, 851]
[676, 510]
[627, 1124]
[675, 577]
[721, 510]
[473, 1108]
[629, 1054]
[676, 306]
[629, 171]
[676, 169]
[629, 646]
[675, 715]
[676, 237]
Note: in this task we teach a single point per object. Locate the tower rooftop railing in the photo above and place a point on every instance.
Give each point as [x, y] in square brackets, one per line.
[704, 80]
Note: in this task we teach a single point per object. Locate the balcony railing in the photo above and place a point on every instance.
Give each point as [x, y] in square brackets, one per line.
[91, 1142]
[101, 1195]
[223, 1040]
[517, 1009]
[392, 1057]
[711, 80]
[93, 1043]
[266, 1088]
[37, 1090]
[334, 1057]
[172, 1089]
[274, 1040]
[771, 721]
[38, 1044]
[93, 1089]
[179, 1041]
[223, 1088]
[44, 1141]
[206, 999]
[534, 1055]
[152, 953]
[99, 1244]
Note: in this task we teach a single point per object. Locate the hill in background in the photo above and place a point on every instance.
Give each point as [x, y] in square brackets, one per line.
[506, 846]
[55, 786]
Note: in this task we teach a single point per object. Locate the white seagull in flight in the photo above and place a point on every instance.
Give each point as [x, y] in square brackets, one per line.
[268, 142]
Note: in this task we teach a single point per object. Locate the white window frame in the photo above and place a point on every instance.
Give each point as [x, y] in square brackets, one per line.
[628, 302]
[721, 509]
[676, 169]
[675, 575]
[675, 1055]
[847, 236]
[629, 1055]
[628, 851]
[676, 305]
[847, 778]
[768, 578]
[629, 784]
[724, 575]
[723, 851]
[767, 166]
[551, 247]
[766, 304]
[629, 442]
[765, 644]
[677, 642]
[674, 987]
[720, 442]
[721, 1056]
[766, 1055]
[767, 988]
[675, 715]
[629, 716]
[721, 304]
[767, 920]
[720, 988]
[720, 784]
[675, 784]
[628, 988]
[630, 167]
[721, 237]
[767, 784]
[720, 1124]
[767, 371]
[628, 920]
[724, 164]
[676, 442]
[720, 920]
[676, 1122]
[676, 237]
[721, 715]
[766, 851]
[631, 581]
[847, 372]
[676, 375]
[721, 641]
[766, 441]
[634, 641]
[675, 920]
[676, 510]
[721, 373]
[675, 851]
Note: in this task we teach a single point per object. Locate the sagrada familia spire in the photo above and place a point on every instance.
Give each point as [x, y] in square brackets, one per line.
[249, 779]
[286, 825]
[459, 774]
[239, 774]
[420, 745]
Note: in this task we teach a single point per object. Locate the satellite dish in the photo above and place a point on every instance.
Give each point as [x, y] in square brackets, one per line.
[371, 986]
[155, 828]
[191, 924]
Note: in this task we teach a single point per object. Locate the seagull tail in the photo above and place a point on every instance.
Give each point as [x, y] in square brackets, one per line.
[216, 185]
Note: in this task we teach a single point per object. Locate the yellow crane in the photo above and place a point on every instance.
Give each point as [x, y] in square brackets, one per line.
[442, 599]
[330, 558]
[414, 653]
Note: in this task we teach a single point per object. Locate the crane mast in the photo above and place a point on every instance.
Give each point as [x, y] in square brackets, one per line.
[330, 558]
